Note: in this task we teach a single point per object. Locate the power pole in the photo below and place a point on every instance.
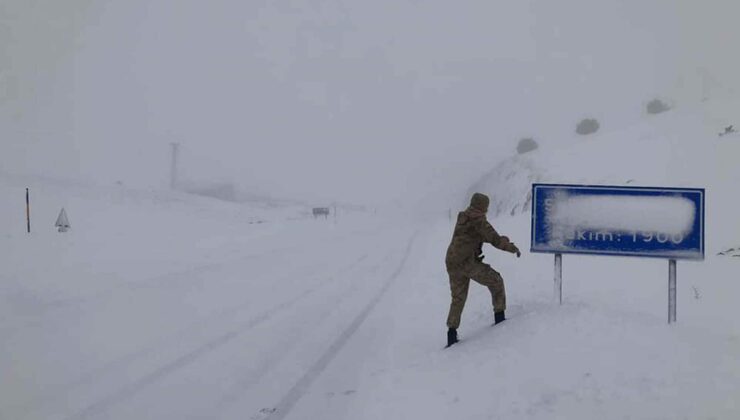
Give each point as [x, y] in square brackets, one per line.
[173, 165]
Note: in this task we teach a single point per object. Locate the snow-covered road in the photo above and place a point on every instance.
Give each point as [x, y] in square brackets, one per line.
[308, 319]
[243, 336]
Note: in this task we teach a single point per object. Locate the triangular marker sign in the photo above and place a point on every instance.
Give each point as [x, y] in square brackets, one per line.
[62, 221]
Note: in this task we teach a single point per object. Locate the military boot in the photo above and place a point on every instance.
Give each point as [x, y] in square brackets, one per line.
[451, 337]
[498, 317]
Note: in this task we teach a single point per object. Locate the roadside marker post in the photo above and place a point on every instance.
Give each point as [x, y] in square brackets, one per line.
[28, 212]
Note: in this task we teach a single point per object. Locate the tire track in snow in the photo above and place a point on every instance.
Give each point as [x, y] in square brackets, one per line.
[280, 350]
[294, 394]
[86, 378]
[133, 388]
[158, 281]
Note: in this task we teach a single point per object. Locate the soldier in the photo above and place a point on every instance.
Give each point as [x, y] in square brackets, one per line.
[464, 262]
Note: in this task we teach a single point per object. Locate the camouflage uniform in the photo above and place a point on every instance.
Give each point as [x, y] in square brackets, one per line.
[464, 258]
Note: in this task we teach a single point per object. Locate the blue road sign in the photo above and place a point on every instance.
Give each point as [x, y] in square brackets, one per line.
[613, 220]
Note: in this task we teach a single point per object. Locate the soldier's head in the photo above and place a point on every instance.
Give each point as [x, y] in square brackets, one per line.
[480, 202]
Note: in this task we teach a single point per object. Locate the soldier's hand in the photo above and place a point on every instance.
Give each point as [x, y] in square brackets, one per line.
[515, 250]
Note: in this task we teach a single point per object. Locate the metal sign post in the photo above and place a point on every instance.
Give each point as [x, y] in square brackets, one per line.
[559, 278]
[671, 291]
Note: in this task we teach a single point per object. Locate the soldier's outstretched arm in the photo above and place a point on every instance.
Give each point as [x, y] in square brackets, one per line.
[505, 244]
[499, 241]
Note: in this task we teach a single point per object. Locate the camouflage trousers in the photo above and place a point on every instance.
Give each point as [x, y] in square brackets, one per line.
[460, 277]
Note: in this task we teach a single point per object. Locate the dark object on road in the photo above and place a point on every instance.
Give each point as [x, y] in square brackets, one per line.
[321, 211]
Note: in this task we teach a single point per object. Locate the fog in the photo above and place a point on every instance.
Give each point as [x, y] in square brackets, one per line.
[372, 102]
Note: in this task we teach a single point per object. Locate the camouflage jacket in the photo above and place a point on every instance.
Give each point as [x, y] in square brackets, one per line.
[471, 232]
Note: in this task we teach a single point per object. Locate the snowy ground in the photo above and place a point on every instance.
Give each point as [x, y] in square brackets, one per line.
[306, 319]
[166, 306]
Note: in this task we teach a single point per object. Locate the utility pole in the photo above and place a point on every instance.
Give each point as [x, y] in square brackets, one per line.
[173, 165]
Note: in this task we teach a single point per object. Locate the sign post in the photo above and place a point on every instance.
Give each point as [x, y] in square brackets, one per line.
[618, 221]
[559, 278]
[671, 291]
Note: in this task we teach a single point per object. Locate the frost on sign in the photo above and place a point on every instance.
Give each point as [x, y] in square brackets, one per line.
[573, 216]
[652, 222]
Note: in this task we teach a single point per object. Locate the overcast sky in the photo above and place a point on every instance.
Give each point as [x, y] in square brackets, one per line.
[362, 101]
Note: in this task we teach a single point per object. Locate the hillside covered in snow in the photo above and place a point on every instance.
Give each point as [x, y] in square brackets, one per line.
[678, 148]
